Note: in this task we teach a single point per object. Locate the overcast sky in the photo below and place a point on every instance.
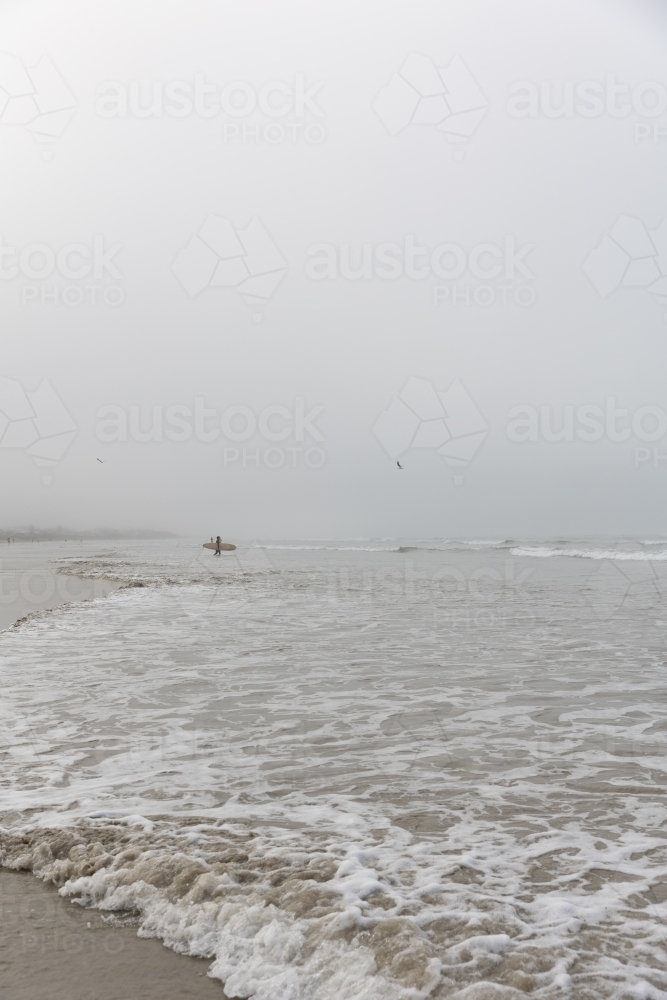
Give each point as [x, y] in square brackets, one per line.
[357, 234]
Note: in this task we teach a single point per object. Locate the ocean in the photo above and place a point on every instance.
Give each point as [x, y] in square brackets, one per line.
[360, 770]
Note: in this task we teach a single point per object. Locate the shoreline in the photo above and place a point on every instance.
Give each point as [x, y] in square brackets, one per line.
[49, 945]
[30, 583]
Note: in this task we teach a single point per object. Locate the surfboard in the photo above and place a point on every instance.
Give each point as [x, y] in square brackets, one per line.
[224, 546]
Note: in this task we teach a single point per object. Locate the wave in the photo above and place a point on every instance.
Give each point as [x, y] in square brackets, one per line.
[444, 545]
[277, 921]
[542, 552]
[326, 548]
[351, 918]
[462, 545]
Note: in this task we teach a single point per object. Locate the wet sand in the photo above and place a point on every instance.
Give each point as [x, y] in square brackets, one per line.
[30, 583]
[53, 949]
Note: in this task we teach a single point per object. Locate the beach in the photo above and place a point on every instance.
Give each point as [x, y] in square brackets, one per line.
[30, 582]
[371, 298]
[49, 948]
[366, 769]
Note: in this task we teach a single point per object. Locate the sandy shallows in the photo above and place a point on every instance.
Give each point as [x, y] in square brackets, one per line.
[51, 948]
[31, 585]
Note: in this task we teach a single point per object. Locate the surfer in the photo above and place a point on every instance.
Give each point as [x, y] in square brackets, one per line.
[219, 546]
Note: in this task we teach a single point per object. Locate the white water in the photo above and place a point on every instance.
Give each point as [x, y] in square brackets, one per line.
[549, 552]
[429, 769]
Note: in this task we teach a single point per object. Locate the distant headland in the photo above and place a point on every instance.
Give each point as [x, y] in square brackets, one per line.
[60, 534]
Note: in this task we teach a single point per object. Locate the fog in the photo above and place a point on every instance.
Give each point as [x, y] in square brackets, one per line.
[304, 241]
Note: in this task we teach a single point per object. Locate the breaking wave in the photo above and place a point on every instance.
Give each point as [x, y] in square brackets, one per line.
[621, 555]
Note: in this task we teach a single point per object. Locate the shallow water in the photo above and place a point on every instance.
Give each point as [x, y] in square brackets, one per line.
[374, 769]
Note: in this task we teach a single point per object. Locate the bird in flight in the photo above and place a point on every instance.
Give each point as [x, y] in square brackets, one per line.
[399, 465]
[100, 461]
